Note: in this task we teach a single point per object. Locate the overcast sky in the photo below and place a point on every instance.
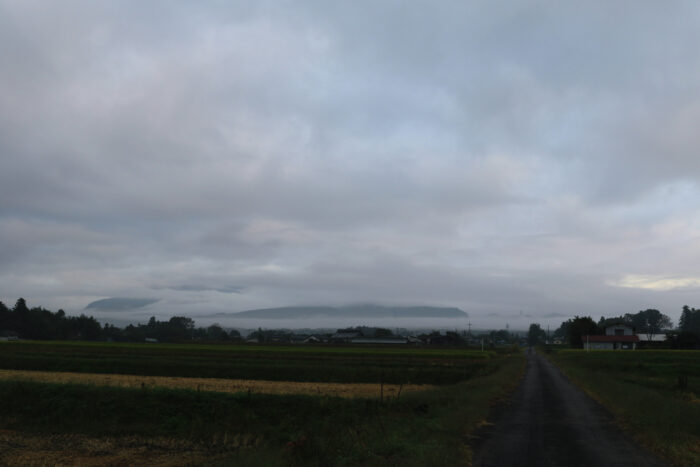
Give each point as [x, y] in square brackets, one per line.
[524, 161]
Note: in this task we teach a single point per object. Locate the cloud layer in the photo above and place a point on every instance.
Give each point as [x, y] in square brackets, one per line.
[120, 304]
[222, 157]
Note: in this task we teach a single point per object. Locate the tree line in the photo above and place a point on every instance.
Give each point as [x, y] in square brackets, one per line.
[42, 324]
[649, 322]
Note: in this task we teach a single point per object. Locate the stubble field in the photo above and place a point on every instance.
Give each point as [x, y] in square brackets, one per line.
[346, 390]
[193, 404]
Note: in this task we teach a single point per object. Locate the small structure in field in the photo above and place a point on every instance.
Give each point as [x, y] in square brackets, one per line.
[659, 337]
[151, 340]
[617, 337]
[311, 340]
[8, 336]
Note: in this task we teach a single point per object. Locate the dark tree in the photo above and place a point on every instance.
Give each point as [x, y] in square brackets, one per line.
[21, 306]
[500, 336]
[216, 333]
[180, 328]
[6, 320]
[21, 313]
[135, 333]
[535, 334]
[258, 335]
[577, 328]
[87, 327]
[690, 321]
[39, 323]
[562, 332]
[651, 322]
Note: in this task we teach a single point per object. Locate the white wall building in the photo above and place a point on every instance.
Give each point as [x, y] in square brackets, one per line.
[617, 337]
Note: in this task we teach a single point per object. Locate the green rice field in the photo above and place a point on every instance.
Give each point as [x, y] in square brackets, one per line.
[278, 363]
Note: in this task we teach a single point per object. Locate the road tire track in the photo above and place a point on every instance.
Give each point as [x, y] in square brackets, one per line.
[551, 422]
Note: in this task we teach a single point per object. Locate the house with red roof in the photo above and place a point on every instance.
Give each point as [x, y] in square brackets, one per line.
[617, 337]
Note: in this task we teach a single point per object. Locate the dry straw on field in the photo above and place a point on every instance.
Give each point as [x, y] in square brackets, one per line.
[347, 390]
[21, 448]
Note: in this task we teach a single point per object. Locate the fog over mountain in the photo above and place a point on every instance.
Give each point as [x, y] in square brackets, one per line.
[117, 304]
[309, 317]
[351, 311]
[523, 163]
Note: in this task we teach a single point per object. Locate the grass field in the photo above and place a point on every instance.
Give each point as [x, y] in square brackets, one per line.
[53, 423]
[654, 394]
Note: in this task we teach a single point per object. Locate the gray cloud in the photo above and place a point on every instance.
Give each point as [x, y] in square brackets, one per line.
[452, 154]
[204, 288]
[557, 315]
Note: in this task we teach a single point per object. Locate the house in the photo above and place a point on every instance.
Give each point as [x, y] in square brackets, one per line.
[344, 337]
[619, 329]
[617, 337]
[304, 339]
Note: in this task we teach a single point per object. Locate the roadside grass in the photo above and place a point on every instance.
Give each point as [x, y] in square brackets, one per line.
[645, 390]
[281, 363]
[424, 428]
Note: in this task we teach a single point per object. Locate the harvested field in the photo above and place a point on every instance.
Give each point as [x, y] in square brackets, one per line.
[72, 449]
[60, 418]
[346, 390]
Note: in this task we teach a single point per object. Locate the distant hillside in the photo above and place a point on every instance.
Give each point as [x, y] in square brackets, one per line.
[352, 311]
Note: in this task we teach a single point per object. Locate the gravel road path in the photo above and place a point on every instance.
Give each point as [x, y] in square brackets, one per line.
[551, 422]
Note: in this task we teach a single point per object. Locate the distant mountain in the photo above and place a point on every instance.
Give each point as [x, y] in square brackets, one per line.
[120, 304]
[352, 311]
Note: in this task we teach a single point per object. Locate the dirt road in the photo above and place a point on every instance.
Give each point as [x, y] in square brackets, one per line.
[551, 422]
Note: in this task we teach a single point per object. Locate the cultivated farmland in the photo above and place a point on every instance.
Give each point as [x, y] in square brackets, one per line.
[409, 406]
[278, 363]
